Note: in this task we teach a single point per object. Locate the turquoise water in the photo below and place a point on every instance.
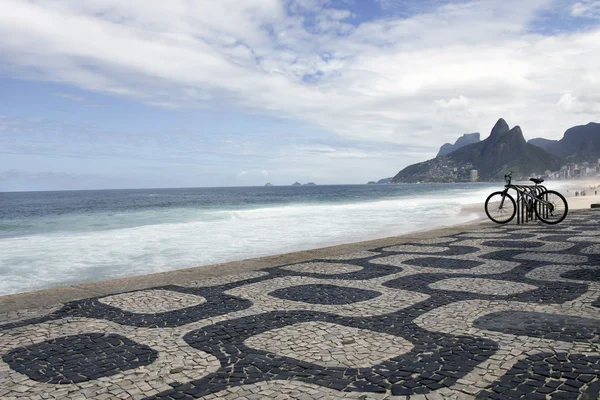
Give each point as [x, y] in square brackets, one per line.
[51, 239]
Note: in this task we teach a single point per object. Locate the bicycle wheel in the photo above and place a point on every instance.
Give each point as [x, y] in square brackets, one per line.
[500, 215]
[556, 211]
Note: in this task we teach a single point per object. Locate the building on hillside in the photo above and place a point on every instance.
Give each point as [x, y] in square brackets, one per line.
[474, 175]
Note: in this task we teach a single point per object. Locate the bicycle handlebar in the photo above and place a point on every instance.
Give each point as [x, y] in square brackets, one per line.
[508, 178]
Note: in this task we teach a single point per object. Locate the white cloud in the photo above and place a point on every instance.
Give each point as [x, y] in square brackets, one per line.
[450, 111]
[459, 102]
[72, 97]
[455, 69]
[252, 174]
[572, 104]
[586, 8]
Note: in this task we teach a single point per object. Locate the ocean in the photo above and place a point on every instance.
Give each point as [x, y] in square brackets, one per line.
[50, 239]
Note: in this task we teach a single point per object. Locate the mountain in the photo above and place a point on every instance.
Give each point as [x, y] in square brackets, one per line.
[504, 150]
[579, 144]
[545, 144]
[467, 138]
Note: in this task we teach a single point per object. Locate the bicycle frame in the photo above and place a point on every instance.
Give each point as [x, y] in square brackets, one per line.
[524, 193]
[532, 202]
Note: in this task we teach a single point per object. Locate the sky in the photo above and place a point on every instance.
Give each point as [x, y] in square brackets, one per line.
[101, 94]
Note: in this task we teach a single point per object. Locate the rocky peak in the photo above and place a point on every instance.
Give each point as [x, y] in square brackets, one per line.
[468, 138]
[582, 132]
[504, 140]
[500, 129]
[516, 134]
[465, 139]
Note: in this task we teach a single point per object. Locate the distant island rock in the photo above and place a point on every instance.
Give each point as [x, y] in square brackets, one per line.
[268, 184]
[380, 182]
[504, 150]
[467, 138]
[310, 184]
[296, 184]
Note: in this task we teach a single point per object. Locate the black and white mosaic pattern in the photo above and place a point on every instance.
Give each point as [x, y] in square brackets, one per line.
[495, 312]
[79, 358]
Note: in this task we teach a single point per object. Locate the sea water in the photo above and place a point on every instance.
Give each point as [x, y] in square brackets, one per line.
[50, 239]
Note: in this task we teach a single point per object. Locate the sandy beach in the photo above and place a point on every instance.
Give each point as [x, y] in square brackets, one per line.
[566, 188]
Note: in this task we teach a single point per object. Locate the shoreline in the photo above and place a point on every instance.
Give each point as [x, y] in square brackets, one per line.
[44, 298]
[60, 294]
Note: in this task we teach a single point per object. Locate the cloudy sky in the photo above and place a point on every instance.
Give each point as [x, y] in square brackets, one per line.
[179, 93]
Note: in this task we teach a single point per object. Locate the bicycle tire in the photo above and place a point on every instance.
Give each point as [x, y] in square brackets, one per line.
[559, 211]
[492, 207]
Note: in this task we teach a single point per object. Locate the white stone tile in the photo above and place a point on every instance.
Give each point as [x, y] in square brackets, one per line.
[323, 268]
[353, 256]
[408, 248]
[438, 240]
[294, 390]
[484, 235]
[152, 301]
[223, 280]
[594, 249]
[593, 239]
[331, 345]
[19, 315]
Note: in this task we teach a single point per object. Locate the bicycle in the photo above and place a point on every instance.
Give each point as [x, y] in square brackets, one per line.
[549, 206]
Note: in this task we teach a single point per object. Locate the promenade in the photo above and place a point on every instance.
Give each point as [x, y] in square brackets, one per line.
[481, 311]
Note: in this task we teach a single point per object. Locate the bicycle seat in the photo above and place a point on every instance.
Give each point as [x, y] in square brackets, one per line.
[537, 181]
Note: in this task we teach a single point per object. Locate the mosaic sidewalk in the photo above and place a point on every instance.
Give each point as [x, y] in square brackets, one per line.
[495, 312]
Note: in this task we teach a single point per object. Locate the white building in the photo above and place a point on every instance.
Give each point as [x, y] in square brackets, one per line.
[474, 175]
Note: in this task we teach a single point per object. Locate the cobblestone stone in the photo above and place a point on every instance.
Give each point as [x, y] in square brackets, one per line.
[152, 301]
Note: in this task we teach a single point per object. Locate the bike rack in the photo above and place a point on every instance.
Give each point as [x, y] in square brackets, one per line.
[523, 215]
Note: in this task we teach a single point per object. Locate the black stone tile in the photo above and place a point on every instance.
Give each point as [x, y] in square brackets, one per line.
[440, 262]
[552, 326]
[324, 294]
[79, 358]
[558, 386]
[592, 275]
[513, 244]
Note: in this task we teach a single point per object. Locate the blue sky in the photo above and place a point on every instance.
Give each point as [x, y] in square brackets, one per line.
[112, 94]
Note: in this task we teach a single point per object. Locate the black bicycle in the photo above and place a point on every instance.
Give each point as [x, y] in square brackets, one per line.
[548, 205]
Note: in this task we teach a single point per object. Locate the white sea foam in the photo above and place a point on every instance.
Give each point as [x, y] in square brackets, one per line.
[178, 238]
